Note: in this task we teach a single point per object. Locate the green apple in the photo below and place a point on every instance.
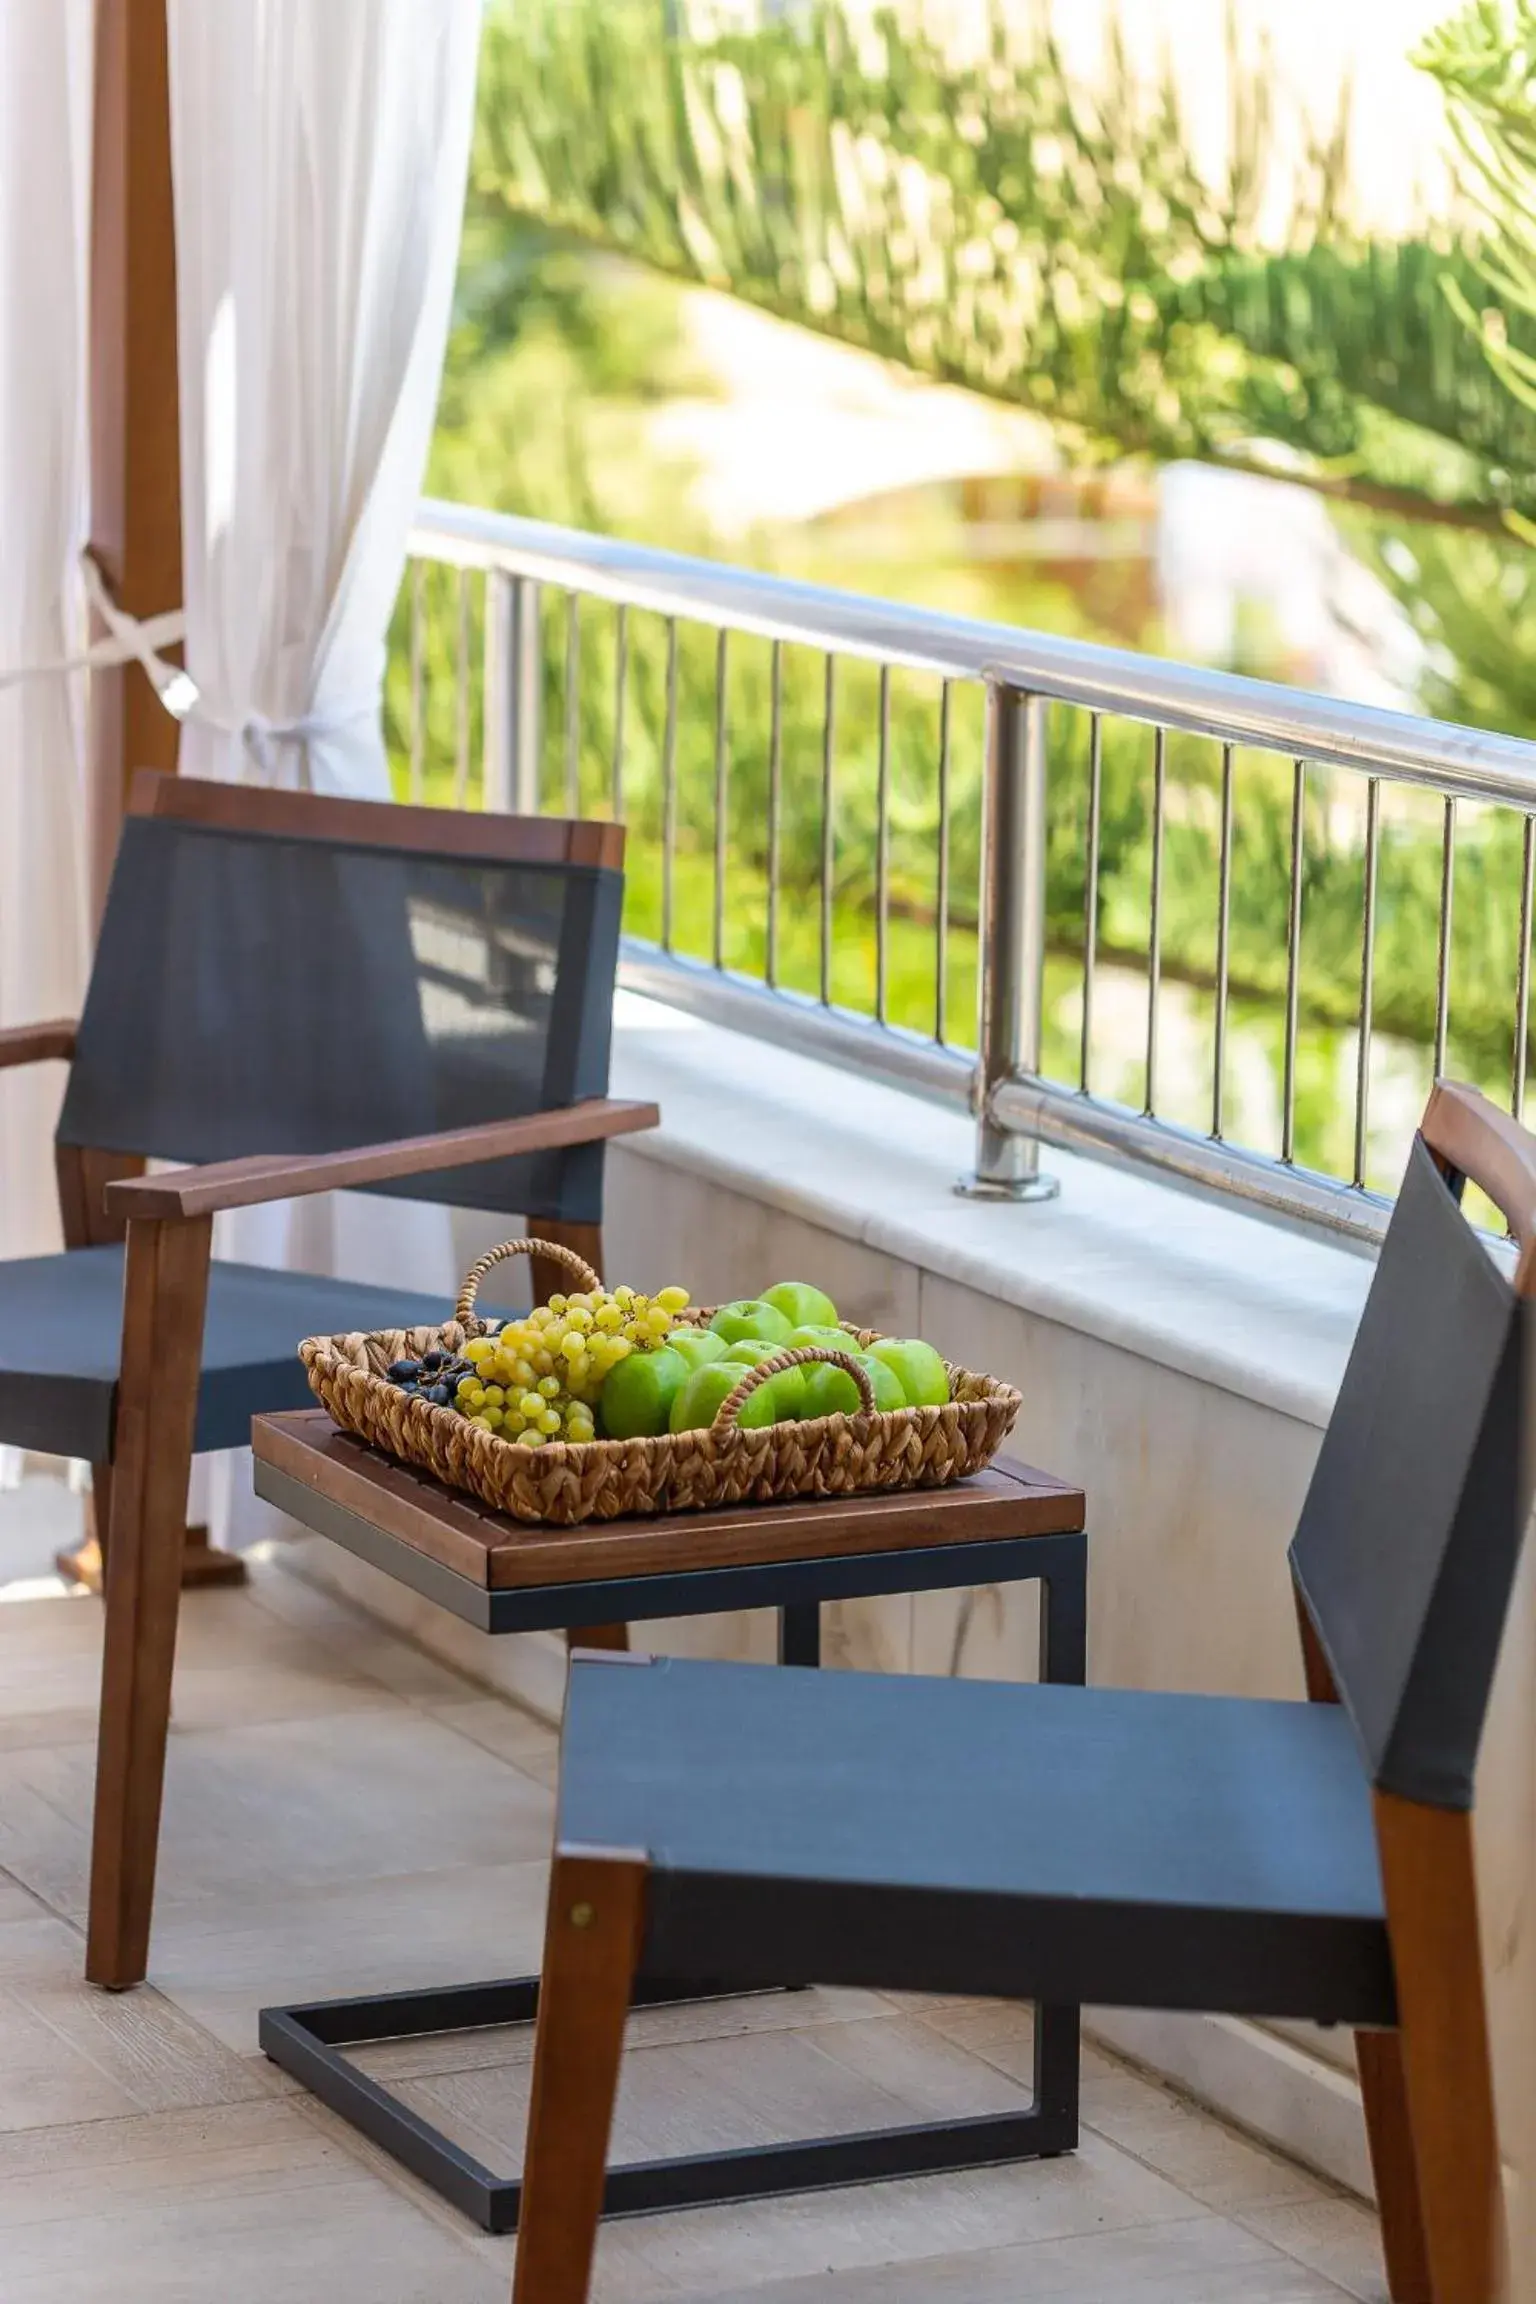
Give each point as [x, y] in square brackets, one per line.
[802, 1305]
[750, 1316]
[888, 1392]
[696, 1347]
[707, 1389]
[788, 1388]
[918, 1369]
[832, 1391]
[823, 1339]
[637, 1394]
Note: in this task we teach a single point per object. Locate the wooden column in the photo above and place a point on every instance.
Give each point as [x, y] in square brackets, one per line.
[135, 499]
[135, 448]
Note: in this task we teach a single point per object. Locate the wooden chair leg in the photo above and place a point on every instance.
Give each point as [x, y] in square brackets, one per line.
[86, 1563]
[1431, 1896]
[585, 1239]
[202, 1563]
[1383, 2088]
[1384, 2091]
[165, 1291]
[591, 1945]
[612, 1636]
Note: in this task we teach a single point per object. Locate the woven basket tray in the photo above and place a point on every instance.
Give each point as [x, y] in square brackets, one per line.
[565, 1483]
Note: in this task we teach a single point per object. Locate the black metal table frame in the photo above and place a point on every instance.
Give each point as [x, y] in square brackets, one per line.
[308, 2041]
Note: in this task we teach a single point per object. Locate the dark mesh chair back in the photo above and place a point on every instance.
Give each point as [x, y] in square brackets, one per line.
[278, 991]
[1407, 1546]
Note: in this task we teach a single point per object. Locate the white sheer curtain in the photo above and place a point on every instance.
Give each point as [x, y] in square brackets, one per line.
[46, 56]
[319, 156]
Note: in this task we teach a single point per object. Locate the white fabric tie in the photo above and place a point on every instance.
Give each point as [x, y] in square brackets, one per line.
[261, 736]
[138, 640]
[129, 639]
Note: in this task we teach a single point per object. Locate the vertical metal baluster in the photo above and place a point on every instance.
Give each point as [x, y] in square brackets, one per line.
[461, 697]
[573, 704]
[669, 790]
[1447, 900]
[1367, 977]
[1155, 915]
[1091, 894]
[1293, 964]
[620, 678]
[722, 788]
[775, 806]
[883, 850]
[941, 954]
[1223, 950]
[1523, 975]
[525, 660]
[828, 826]
[498, 688]
[418, 653]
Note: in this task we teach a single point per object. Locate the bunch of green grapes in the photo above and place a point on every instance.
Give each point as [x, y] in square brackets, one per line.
[537, 1379]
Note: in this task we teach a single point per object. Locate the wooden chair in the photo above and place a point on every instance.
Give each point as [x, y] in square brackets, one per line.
[1103, 1845]
[294, 994]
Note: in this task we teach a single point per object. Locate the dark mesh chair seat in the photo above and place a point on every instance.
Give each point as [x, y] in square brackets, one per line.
[1045, 1843]
[61, 1329]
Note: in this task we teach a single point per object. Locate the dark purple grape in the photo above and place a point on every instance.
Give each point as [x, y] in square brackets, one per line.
[402, 1371]
[433, 1360]
[440, 1395]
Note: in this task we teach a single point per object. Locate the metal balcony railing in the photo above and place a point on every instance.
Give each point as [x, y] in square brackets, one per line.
[1024, 811]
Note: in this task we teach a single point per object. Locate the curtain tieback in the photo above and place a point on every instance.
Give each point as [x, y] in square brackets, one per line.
[138, 639]
[261, 736]
[129, 639]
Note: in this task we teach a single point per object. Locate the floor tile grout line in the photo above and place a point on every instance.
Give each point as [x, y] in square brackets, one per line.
[820, 2023]
[50, 1911]
[1375, 2295]
[1181, 2103]
[374, 2161]
[152, 1994]
[479, 1743]
[377, 1627]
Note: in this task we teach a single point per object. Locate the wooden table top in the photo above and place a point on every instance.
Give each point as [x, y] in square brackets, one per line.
[1007, 1500]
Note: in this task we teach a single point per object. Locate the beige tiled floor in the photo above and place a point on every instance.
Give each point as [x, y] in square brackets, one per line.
[344, 1813]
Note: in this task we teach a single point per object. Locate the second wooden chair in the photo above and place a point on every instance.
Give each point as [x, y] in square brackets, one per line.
[1105, 1845]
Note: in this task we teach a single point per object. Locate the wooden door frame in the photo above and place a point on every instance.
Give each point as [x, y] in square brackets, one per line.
[135, 526]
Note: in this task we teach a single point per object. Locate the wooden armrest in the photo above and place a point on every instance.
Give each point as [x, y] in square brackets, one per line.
[37, 1043]
[286, 1175]
[1467, 1132]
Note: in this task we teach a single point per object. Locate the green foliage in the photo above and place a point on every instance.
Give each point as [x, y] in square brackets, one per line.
[1360, 359]
[1485, 60]
[989, 224]
[982, 222]
[1472, 599]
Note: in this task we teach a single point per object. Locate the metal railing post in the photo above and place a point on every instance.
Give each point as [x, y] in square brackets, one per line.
[1011, 952]
[527, 695]
[513, 682]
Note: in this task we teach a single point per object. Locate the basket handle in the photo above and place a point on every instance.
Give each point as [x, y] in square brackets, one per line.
[802, 1355]
[580, 1270]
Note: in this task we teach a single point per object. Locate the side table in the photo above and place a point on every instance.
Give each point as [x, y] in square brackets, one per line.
[1009, 1524]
